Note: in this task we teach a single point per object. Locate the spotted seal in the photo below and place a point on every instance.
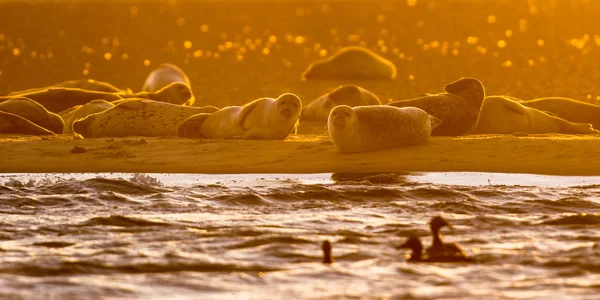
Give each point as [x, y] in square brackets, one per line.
[371, 128]
[458, 107]
[81, 111]
[137, 117]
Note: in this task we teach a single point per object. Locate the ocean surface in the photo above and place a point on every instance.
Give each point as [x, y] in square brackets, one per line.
[184, 236]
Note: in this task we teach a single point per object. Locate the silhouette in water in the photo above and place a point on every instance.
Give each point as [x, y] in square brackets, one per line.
[327, 257]
[439, 250]
[414, 243]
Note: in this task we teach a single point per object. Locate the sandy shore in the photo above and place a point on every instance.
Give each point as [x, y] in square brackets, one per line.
[539, 154]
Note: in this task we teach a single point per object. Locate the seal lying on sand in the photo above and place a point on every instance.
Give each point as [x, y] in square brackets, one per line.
[265, 118]
[502, 115]
[351, 63]
[14, 124]
[568, 109]
[33, 112]
[59, 99]
[81, 111]
[370, 128]
[350, 95]
[458, 107]
[84, 84]
[164, 75]
[137, 117]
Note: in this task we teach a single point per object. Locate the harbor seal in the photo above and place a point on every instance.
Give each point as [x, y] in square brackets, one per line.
[137, 117]
[265, 118]
[350, 95]
[84, 84]
[503, 115]
[568, 109]
[164, 75]
[14, 124]
[34, 112]
[458, 107]
[72, 114]
[351, 63]
[371, 128]
[59, 99]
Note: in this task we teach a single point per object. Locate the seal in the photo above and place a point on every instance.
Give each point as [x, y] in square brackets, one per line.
[503, 115]
[350, 95]
[164, 75]
[81, 111]
[458, 107]
[371, 128]
[263, 119]
[14, 124]
[84, 84]
[34, 112]
[137, 117]
[569, 109]
[59, 99]
[351, 63]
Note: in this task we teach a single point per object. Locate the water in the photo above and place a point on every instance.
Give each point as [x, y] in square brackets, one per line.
[161, 236]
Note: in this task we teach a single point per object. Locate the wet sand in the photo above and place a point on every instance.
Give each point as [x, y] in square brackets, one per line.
[540, 154]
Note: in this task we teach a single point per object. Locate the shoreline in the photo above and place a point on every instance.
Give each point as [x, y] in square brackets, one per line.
[547, 154]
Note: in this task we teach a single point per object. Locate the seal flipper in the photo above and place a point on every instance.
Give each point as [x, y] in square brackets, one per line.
[246, 110]
[190, 127]
[574, 128]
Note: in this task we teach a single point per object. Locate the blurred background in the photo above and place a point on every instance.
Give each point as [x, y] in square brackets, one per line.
[236, 51]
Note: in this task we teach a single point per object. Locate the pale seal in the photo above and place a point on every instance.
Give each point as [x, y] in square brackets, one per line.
[164, 75]
[137, 117]
[351, 63]
[458, 107]
[84, 84]
[34, 112]
[265, 118]
[568, 109]
[81, 111]
[371, 128]
[350, 95]
[59, 99]
[502, 115]
[14, 124]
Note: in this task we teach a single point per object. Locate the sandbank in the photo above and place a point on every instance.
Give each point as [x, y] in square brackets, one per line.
[550, 154]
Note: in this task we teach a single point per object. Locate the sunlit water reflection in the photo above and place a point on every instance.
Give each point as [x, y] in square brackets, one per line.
[258, 236]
